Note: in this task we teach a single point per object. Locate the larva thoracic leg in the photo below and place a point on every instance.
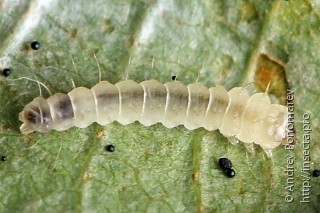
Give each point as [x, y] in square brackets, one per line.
[234, 113]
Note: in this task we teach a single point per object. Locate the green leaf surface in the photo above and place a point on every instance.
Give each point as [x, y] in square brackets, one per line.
[154, 169]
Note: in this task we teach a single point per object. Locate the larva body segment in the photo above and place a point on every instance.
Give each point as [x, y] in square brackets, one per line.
[234, 113]
[60, 108]
[176, 104]
[218, 103]
[255, 111]
[198, 101]
[106, 101]
[155, 96]
[84, 108]
[238, 99]
[130, 100]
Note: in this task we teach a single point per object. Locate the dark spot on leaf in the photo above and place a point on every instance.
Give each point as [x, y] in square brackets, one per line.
[110, 148]
[35, 45]
[316, 173]
[6, 72]
[230, 173]
[225, 163]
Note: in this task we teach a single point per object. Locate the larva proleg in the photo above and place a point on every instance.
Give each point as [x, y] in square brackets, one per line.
[234, 113]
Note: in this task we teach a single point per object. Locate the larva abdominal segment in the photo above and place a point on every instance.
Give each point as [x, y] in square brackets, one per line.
[234, 113]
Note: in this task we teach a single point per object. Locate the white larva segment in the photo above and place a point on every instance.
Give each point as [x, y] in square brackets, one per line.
[154, 102]
[106, 96]
[61, 119]
[219, 99]
[253, 116]
[251, 119]
[176, 105]
[131, 101]
[197, 105]
[238, 99]
[84, 107]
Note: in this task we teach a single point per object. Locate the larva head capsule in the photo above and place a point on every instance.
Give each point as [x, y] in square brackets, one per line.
[36, 116]
[274, 127]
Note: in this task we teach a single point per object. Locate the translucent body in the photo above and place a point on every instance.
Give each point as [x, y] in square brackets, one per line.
[234, 113]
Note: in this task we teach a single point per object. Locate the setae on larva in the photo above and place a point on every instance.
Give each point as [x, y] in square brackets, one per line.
[234, 113]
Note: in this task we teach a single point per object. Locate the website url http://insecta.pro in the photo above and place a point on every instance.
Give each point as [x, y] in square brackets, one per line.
[305, 171]
[290, 148]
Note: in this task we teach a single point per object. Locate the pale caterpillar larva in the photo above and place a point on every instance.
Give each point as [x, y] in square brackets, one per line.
[234, 113]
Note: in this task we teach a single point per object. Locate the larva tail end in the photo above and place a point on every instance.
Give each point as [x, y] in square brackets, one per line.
[24, 128]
